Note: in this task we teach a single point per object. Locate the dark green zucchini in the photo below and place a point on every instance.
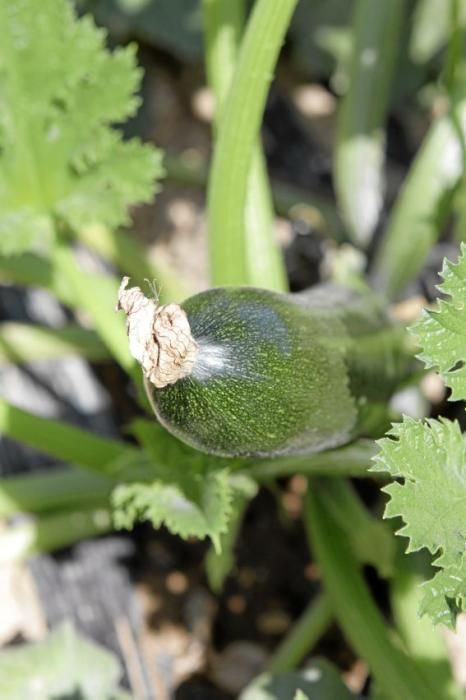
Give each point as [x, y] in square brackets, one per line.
[267, 373]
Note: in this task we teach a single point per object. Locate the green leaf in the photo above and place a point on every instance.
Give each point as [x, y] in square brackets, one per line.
[190, 492]
[359, 154]
[416, 220]
[442, 331]
[431, 27]
[445, 595]
[97, 295]
[174, 25]
[321, 33]
[63, 665]
[429, 458]
[300, 695]
[318, 681]
[59, 157]
[65, 442]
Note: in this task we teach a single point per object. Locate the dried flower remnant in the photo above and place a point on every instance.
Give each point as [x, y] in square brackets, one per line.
[159, 336]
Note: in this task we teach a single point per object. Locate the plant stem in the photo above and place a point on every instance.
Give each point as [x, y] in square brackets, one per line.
[455, 47]
[238, 132]
[52, 532]
[27, 342]
[360, 138]
[223, 20]
[351, 460]
[62, 441]
[422, 205]
[304, 635]
[362, 623]
[54, 489]
[223, 27]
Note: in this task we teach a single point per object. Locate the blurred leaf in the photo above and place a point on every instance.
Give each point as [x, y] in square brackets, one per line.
[64, 442]
[64, 665]
[97, 294]
[371, 540]
[60, 159]
[413, 226]
[174, 25]
[320, 31]
[318, 681]
[360, 137]
[123, 249]
[431, 27]
[25, 342]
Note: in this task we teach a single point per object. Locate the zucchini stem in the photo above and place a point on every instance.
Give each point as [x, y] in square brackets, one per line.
[363, 625]
[237, 140]
[304, 635]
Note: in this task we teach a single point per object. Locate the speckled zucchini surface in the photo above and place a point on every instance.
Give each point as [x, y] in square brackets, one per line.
[278, 374]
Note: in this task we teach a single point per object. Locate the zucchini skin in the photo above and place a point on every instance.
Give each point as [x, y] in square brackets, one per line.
[275, 374]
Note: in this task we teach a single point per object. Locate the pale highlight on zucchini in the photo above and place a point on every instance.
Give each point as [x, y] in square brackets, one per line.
[159, 336]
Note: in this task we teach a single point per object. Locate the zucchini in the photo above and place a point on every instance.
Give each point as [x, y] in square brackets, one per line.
[242, 371]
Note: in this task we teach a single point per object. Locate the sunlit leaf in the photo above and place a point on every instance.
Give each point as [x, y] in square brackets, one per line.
[61, 93]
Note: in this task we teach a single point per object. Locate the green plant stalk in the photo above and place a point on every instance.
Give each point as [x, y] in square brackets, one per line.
[413, 226]
[363, 625]
[266, 267]
[304, 635]
[123, 250]
[51, 532]
[372, 540]
[54, 489]
[351, 460]
[237, 138]
[25, 342]
[360, 141]
[223, 23]
[64, 442]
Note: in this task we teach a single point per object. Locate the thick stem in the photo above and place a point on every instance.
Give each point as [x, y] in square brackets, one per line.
[223, 21]
[238, 132]
[362, 623]
[52, 490]
[304, 636]
[351, 460]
